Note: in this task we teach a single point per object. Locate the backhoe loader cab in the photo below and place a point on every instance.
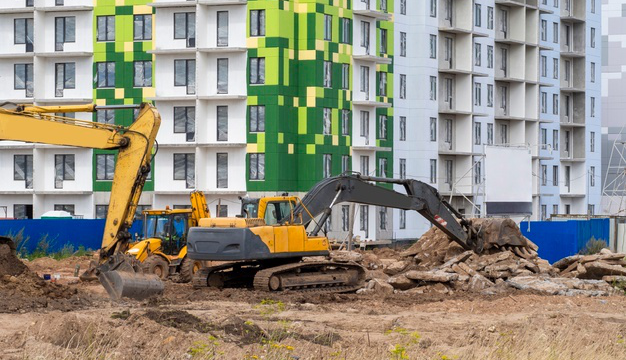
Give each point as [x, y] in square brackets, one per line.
[163, 249]
[271, 209]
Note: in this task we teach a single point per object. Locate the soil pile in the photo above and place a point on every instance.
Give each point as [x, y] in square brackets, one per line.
[22, 290]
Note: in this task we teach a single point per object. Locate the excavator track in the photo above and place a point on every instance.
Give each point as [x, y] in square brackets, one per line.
[238, 274]
[318, 277]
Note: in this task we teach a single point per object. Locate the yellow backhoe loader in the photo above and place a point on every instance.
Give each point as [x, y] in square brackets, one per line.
[119, 273]
[264, 247]
[163, 251]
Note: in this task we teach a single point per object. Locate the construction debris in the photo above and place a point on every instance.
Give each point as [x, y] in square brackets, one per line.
[437, 264]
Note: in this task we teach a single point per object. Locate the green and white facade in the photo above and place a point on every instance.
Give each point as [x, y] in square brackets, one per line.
[264, 97]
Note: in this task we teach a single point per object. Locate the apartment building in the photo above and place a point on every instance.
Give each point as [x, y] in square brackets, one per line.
[267, 97]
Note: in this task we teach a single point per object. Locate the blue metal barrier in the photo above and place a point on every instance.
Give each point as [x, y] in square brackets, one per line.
[58, 233]
[559, 239]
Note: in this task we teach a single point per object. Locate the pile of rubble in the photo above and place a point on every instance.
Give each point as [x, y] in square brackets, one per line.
[435, 264]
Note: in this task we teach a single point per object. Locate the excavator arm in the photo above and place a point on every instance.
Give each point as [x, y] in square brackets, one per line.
[423, 198]
[38, 124]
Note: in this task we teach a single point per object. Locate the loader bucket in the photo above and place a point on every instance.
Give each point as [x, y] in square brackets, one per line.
[133, 285]
[502, 234]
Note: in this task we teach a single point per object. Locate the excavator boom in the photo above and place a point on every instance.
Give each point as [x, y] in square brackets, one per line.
[38, 124]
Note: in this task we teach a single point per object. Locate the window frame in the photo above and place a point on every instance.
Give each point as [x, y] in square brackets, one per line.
[189, 83]
[186, 169]
[108, 175]
[68, 36]
[68, 82]
[107, 74]
[258, 157]
[221, 17]
[189, 116]
[259, 64]
[260, 21]
[146, 23]
[109, 20]
[257, 127]
[144, 82]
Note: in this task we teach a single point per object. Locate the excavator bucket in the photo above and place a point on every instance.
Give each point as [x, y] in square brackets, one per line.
[121, 276]
[139, 286]
[499, 234]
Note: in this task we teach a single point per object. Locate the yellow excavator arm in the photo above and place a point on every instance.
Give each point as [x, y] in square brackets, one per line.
[39, 124]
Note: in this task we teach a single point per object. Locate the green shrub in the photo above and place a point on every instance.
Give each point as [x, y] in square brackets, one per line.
[593, 246]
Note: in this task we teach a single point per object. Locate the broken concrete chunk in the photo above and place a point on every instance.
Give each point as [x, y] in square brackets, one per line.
[543, 285]
[401, 282]
[478, 283]
[492, 259]
[380, 286]
[565, 262]
[598, 269]
[346, 256]
[431, 276]
[614, 279]
[467, 269]
[457, 259]
[395, 268]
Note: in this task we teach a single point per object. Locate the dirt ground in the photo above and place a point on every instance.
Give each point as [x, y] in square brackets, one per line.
[242, 324]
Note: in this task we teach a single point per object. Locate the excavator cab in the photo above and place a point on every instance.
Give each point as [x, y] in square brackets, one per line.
[170, 227]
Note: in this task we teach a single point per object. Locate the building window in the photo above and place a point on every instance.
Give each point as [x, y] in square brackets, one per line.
[328, 166]
[544, 210]
[477, 53]
[364, 219]
[383, 5]
[478, 173]
[592, 141]
[222, 123]
[544, 66]
[64, 77]
[346, 30]
[489, 18]
[402, 128]
[345, 76]
[184, 169]
[504, 134]
[433, 129]
[433, 8]
[555, 68]
[489, 134]
[555, 209]
[477, 94]
[185, 121]
[257, 166]
[477, 133]
[23, 79]
[382, 82]
[593, 107]
[593, 72]
[555, 104]
[63, 169]
[402, 86]
[101, 211]
[345, 164]
[345, 217]
[555, 33]
[383, 41]
[382, 167]
[365, 165]
[403, 44]
[23, 170]
[489, 56]
[328, 27]
[365, 81]
[222, 76]
[105, 166]
[365, 125]
[592, 40]
[544, 30]
[402, 168]
[433, 171]
[105, 117]
[185, 74]
[489, 95]
[433, 88]
[328, 74]
[106, 28]
[382, 127]
[30, 3]
[544, 175]
[433, 46]
[544, 138]
[449, 173]
[365, 36]
[477, 15]
[555, 175]
[592, 176]
[142, 27]
[257, 71]
[593, 6]
[65, 207]
[222, 170]
[222, 28]
[185, 27]
[257, 22]
[544, 102]
[142, 74]
[65, 31]
[221, 210]
[345, 122]
[382, 213]
[555, 139]
[23, 33]
[257, 118]
[106, 74]
[327, 125]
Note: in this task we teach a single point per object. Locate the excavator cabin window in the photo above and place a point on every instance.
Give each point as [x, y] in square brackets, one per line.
[170, 228]
[277, 211]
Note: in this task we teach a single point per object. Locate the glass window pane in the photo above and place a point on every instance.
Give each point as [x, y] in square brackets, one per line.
[20, 31]
[261, 167]
[147, 27]
[222, 123]
[254, 23]
[222, 76]
[222, 171]
[100, 167]
[180, 73]
[179, 167]
[180, 26]
[69, 167]
[180, 118]
[70, 29]
[191, 25]
[110, 28]
[191, 76]
[70, 75]
[110, 74]
[138, 74]
[262, 71]
[20, 76]
[222, 28]
[262, 23]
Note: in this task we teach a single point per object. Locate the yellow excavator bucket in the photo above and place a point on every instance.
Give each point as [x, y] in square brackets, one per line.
[139, 286]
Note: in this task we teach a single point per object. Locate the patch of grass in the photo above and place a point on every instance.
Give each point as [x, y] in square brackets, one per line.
[593, 246]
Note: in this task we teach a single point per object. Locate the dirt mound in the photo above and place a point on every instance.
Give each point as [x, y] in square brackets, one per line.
[22, 290]
[179, 319]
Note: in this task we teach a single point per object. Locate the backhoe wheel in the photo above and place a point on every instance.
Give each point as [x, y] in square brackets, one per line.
[187, 269]
[156, 265]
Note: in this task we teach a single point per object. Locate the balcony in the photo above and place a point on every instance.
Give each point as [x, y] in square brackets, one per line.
[368, 8]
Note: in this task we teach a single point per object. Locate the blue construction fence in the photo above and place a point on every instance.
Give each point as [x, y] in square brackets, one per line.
[59, 233]
[559, 239]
